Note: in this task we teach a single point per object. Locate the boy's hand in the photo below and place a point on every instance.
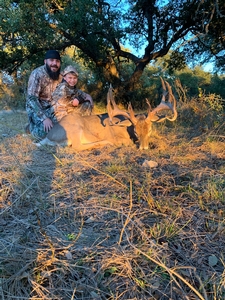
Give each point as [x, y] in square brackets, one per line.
[75, 102]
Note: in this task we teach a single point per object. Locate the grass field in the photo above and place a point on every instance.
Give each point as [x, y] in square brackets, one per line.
[99, 225]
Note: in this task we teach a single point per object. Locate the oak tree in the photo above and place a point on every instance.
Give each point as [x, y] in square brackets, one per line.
[110, 33]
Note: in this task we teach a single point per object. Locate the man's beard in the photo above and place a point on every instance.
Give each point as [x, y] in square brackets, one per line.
[52, 75]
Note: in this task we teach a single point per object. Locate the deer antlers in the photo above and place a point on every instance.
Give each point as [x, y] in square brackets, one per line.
[112, 109]
[153, 116]
[169, 105]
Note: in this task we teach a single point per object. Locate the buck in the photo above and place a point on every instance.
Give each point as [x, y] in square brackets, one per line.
[117, 127]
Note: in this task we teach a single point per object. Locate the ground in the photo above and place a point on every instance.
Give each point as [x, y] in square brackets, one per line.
[99, 225]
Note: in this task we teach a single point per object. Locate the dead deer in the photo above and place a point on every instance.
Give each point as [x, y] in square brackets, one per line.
[117, 127]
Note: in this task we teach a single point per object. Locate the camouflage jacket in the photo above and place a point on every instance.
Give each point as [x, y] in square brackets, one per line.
[39, 92]
[62, 99]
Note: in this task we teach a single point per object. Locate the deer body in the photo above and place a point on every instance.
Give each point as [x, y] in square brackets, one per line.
[117, 127]
[86, 132]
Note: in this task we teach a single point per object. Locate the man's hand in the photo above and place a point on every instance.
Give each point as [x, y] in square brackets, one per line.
[47, 124]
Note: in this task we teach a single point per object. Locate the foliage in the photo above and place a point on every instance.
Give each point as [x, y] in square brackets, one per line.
[99, 30]
[187, 83]
[12, 95]
[209, 45]
[203, 113]
[176, 61]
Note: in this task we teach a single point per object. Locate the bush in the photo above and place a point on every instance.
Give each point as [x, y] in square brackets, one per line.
[12, 96]
[202, 113]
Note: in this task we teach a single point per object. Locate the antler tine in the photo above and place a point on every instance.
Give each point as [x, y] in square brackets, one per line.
[112, 109]
[163, 85]
[149, 105]
[170, 105]
[132, 117]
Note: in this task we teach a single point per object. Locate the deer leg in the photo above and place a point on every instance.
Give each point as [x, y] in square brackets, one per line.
[92, 145]
[85, 140]
[47, 142]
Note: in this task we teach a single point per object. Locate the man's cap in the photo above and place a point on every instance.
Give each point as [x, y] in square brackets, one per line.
[70, 69]
[52, 54]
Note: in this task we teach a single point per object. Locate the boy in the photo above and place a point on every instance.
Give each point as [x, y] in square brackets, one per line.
[67, 98]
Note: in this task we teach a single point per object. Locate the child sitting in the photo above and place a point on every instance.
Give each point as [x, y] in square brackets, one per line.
[67, 98]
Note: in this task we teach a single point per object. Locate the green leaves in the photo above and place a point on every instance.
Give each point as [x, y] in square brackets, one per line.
[108, 33]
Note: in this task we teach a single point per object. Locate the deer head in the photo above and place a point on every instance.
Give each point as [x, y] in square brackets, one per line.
[142, 123]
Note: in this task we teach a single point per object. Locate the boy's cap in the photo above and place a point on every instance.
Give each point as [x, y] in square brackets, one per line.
[52, 54]
[70, 69]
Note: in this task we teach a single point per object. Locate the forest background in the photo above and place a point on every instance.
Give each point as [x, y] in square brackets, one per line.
[129, 44]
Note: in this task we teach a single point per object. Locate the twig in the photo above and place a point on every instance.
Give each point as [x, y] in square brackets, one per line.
[219, 136]
[201, 286]
[128, 216]
[7, 208]
[99, 171]
[171, 272]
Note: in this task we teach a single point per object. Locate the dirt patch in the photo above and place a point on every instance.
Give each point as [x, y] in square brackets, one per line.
[99, 225]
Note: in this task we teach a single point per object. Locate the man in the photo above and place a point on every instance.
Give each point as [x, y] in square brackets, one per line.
[42, 82]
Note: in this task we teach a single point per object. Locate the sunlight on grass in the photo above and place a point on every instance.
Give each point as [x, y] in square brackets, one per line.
[98, 225]
[115, 168]
[214, 190]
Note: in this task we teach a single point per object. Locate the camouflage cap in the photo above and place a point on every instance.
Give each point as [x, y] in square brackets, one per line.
[70, 69]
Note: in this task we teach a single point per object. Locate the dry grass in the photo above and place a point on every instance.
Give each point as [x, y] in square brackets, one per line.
[98, 225]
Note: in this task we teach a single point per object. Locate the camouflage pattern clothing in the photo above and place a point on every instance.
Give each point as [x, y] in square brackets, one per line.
[38, 102]
[62, 99]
